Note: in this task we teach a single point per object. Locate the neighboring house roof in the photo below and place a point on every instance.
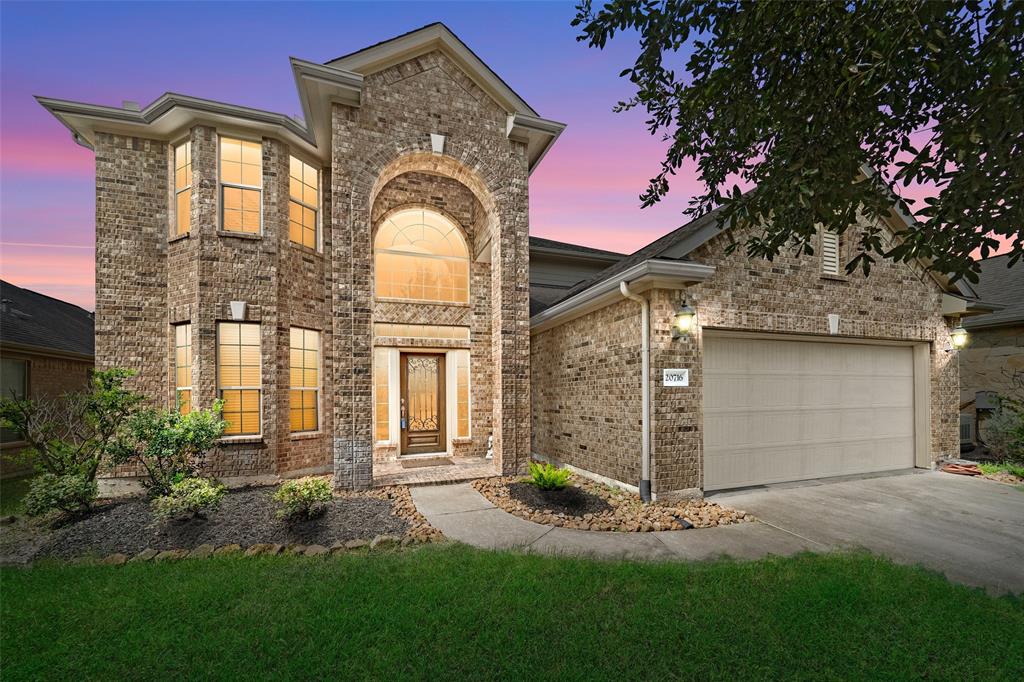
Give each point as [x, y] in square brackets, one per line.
[35, 321]
[319, 87]
[1002, 285]
[574, 263]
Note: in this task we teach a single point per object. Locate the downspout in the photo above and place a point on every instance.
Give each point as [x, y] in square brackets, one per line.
[645, 389]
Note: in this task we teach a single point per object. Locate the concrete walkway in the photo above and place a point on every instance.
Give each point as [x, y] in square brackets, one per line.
[970, 530]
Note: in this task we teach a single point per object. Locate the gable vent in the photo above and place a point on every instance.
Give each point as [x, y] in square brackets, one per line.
[829, 252]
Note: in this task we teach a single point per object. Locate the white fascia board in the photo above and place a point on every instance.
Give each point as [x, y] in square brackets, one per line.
[539, 134]
[436, 36]
[169, 115]
[653, 273]
[319, 87]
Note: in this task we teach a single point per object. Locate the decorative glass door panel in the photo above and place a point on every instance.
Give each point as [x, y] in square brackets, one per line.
[422, 403]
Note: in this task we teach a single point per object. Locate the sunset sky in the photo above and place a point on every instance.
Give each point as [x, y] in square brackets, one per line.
[584, 191]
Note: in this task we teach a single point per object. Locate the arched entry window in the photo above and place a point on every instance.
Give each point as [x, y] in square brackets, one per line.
[420, 255]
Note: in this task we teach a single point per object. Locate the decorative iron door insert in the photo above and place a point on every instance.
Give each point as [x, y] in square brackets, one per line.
[422, 403]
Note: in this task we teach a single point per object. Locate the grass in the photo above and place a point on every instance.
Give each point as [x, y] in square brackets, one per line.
[12, 494]
[456, 613]
[994, 468]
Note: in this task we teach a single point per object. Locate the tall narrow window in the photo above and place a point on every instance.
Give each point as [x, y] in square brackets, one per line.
[13, 384]
[462, 393]
[238, 376]
[182, 189]
[829, 252]
[303, 189]
[241, 178]
[183, 367]
[381, 428]
[304, 366]
[420, 255]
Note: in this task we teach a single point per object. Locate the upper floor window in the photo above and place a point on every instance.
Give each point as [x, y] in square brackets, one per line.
[303, 191]
[829, 252]
[13, 384]
[183, 367]
[420, 255]
[182, 189]
[241, 179]
[238, 376]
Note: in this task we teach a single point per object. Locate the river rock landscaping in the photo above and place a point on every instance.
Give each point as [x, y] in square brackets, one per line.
[588, 505]
[245, 520]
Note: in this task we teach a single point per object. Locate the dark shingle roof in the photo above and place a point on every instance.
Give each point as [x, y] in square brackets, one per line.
[542, 243]
[1000, 284]
[32, 319]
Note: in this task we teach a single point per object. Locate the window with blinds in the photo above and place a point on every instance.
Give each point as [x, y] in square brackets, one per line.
[182, 189]
[304, 382]
[829, 252]
[183, 367]
[238, 376]
[241, 180]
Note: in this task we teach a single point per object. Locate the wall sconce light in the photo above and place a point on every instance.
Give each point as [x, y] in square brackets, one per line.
[683, 320]
[958, 336]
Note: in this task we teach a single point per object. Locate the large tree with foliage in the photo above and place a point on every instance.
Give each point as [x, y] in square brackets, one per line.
[796, 98]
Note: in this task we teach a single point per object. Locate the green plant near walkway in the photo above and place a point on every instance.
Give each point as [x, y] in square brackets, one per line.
[810, 617]
[303, 498]
[188, 497]
[1007, 467]
[169, 445]
[70, 437]
[1003, 432]
[547, 476]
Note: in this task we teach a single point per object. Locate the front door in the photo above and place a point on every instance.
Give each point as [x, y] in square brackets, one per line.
[422, 403]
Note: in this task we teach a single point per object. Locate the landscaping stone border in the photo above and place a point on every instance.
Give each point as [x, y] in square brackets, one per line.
[627, 513]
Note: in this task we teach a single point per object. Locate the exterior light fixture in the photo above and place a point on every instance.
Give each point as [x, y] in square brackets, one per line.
[958, 336]
[682, 323]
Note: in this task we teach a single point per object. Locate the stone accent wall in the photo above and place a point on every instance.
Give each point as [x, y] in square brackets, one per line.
[48, 376]
[788, 295]
[992, 361]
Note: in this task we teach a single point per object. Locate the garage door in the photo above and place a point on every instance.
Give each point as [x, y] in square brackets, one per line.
[779, 410]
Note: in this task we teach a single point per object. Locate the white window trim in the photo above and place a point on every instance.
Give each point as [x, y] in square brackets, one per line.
[221, 185]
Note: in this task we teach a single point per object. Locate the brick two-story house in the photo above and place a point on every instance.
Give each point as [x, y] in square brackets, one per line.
[356, 287]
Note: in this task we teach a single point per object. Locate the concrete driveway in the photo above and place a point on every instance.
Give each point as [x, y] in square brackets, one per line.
[971, 530]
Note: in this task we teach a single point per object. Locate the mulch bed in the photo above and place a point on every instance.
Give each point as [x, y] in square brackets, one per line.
[588, 505]
[245, 517]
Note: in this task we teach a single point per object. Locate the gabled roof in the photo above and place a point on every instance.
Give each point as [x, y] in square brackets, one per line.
[34, 321]
[1002, 285]
[426, 39]
[319, 86]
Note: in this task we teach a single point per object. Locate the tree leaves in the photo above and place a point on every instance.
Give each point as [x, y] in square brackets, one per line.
[797, 99]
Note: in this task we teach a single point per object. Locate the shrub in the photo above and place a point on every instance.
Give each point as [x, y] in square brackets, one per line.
[69, 437]
[69, 493]
[1003, 432]
[169, 445]
[302, 498]
[547, 476]
[188, 497]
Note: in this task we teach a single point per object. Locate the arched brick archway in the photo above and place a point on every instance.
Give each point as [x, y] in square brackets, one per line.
[500, 186]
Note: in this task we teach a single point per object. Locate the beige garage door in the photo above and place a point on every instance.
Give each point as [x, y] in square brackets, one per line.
[789, 410]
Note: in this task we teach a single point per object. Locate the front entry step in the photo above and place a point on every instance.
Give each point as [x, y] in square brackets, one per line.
[459, 470]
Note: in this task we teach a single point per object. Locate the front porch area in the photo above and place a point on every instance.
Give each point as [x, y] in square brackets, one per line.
[447, 470]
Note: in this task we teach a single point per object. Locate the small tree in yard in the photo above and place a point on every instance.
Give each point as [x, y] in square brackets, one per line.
[1004, 431]
[170, 446]
[69, 437]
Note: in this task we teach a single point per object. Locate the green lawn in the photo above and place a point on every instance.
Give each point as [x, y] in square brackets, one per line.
[451, 612]
[12, 492]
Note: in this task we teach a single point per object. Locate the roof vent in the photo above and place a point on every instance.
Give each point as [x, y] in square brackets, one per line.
[129, 105]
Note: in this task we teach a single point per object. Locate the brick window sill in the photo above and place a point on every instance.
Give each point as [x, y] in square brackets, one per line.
[835, 278]
[305, 435]
[239, 235]
[179, 237]
[239, 440]
[305, 249]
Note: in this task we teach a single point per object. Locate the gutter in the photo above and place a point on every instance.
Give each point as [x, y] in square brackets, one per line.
[645, 389]
[651, 273]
